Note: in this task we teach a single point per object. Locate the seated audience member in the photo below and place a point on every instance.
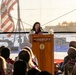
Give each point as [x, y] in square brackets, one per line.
[5, 52]
[33, 63]
[20, 68]
[68, 67]
[2, 66]
[33, 60]
[25, 56]
[33, 72]
[72, 44]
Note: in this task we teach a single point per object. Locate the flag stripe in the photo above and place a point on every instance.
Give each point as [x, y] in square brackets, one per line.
[11, 4]
[2, 5]
[12, 29]
[3, 14]
[6, 30]
[5, 17]
[7, 24]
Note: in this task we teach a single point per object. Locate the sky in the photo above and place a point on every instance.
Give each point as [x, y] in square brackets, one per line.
[47, 12]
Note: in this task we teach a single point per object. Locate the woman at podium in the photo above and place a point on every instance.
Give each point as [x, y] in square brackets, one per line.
[37, 29]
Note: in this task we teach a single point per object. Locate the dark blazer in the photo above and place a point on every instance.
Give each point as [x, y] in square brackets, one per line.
[74, 70]
[68, 67]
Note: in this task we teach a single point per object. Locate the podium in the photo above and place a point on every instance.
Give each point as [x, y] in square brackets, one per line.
[43, 49]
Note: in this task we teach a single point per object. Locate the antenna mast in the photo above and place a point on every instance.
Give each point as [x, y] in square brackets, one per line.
[18, 22]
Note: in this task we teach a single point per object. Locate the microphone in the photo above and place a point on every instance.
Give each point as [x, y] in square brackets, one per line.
[41, 29]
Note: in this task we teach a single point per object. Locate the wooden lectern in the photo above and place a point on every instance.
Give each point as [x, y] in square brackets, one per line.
[43, 48]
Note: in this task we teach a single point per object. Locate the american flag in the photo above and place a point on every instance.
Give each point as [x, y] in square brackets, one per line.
[7, 24]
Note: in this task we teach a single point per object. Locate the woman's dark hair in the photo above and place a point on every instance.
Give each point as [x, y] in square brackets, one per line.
[72, 53]
[72, 44]
[27, 49]
[24, 55]
[2, 47]
[39, 30]
[5, 52]
[20, 68]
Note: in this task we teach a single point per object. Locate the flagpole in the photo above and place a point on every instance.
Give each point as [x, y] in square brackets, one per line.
[18, 23]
